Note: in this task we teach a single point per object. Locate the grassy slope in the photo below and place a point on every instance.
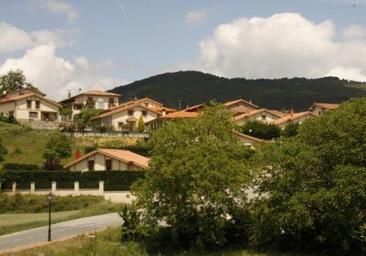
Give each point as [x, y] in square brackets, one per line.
[10, 223]
[26, 146]
[108, 243]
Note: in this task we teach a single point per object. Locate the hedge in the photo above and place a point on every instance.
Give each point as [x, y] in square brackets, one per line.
[113, 180]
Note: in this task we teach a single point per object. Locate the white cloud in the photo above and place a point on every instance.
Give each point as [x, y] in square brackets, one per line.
[61, 7]
[196, 17]
[283, 45]
[55, 75]
[354, 32]
[13, 38]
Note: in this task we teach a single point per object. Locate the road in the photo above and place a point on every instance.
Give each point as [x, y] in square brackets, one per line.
[62, 230]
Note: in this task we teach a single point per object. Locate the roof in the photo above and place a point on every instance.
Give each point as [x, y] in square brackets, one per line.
[233, 102]
[11, 98]
[125, 156]
[94, 93]
[194, 108]
[257, 111]
[239, 134]
[329, 106]
[292, 117]
[180, 114]
[124, 107]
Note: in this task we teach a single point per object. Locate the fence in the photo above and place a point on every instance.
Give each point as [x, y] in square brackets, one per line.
[114, 196]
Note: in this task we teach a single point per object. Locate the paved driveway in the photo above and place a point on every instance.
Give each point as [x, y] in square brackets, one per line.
[62, 230]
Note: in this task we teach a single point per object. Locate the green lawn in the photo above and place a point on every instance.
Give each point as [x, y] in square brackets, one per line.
[26, 146]
[108, 243]
[10, 223]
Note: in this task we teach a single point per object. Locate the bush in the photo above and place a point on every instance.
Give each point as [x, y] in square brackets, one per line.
[290, 130]
[261, 130]
[113, 180]
[19, 203]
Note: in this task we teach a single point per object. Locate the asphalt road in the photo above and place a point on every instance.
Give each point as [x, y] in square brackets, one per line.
[62, 230]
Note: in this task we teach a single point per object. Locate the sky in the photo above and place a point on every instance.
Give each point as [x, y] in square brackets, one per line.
[67, 45]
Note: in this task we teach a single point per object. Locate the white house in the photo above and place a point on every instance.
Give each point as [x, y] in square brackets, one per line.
[29, 106]
[293, 118]
[103, 159]
[91, 99]
[260, 115]
[126, 116]
[320, 108]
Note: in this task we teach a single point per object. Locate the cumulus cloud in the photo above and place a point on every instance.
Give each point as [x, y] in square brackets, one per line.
[196, 17]
[60, 7]
[283, 45]
[13, 38]
[55, 75]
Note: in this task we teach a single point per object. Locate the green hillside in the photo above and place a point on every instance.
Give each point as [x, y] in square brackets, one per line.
[191, 87]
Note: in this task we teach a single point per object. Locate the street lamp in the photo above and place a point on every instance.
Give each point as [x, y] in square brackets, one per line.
[49, 197]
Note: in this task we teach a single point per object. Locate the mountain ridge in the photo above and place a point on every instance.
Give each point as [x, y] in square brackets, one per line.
[186, 88]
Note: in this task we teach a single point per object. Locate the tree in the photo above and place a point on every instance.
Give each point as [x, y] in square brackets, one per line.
[83, 119]
[3, 152]
[261, 130]
[57, 148]
[290, 130]
[141, 125]
[197, 180]
[316, 182]
[13, 80]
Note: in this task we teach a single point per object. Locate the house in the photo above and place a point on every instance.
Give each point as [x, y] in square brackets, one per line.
[126, 117]
[30, 106]
[293, 118]
[178, 115]
[90, 99]
[260, 115]
[247, 140]
[240, 105]
[320, 108]
[103, 159]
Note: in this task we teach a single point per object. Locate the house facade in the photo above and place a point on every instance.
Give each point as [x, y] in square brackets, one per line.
[293, 118]
[261, 115]
[91, 99]
[103, 159]
[30, 107]
[127, 116]
[320, 108]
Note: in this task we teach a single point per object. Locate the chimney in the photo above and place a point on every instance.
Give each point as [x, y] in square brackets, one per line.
[77, 154]
[251, 102]
[291, 112]
[164, 112]
[69, 94]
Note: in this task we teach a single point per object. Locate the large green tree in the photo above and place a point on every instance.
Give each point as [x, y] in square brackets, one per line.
[13, 80]
[57, 148]
[315, 184]
[261, 130]
[83, 119]
[197, 180]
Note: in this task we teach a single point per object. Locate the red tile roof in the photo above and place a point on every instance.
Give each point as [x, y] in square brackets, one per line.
[125, 156]
[329, 106]
[257, 111]
[11, 98]
[233, 102]
[292, 117]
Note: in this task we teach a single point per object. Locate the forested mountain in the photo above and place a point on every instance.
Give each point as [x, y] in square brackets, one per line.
[191, 87]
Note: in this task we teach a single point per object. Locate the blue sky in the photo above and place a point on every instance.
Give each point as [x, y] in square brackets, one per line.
[106, 43]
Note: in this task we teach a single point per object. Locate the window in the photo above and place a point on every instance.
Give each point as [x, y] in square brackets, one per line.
[146, 104]
[38, 104]
[1, 114]
[108, 164]
[33, 115]
[11, 113]
[91, 165]
[144, 113]
[130, 112]
[263, 117]
[111, 102]
[100, 104]
[29, 103]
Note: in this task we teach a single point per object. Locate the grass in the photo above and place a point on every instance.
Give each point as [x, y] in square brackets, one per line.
[26, 146]
[108, 243]
[10, 223]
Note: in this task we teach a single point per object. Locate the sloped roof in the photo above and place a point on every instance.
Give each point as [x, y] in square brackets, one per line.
[233, 102]
[11, 98]
[124, 107]
[125, 156]
[93, 93]
[292, 117]
[246, 136]
[194, 108]
[329, 106]
[257, 111]
[180, 114]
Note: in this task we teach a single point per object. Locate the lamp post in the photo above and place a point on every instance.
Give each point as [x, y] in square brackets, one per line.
[49, 197]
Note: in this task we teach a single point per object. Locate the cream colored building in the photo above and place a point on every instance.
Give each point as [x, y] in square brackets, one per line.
[261, 115]
[320, 108]
[103, 159]
[126, 116]
[91, 99]
[293, 118]
[29, 105]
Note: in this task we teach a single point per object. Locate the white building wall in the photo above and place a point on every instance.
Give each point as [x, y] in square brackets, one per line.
[99, 164]
[6, 107]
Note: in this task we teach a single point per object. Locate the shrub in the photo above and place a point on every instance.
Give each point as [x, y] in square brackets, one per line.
[20, 167]
[261, 130]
